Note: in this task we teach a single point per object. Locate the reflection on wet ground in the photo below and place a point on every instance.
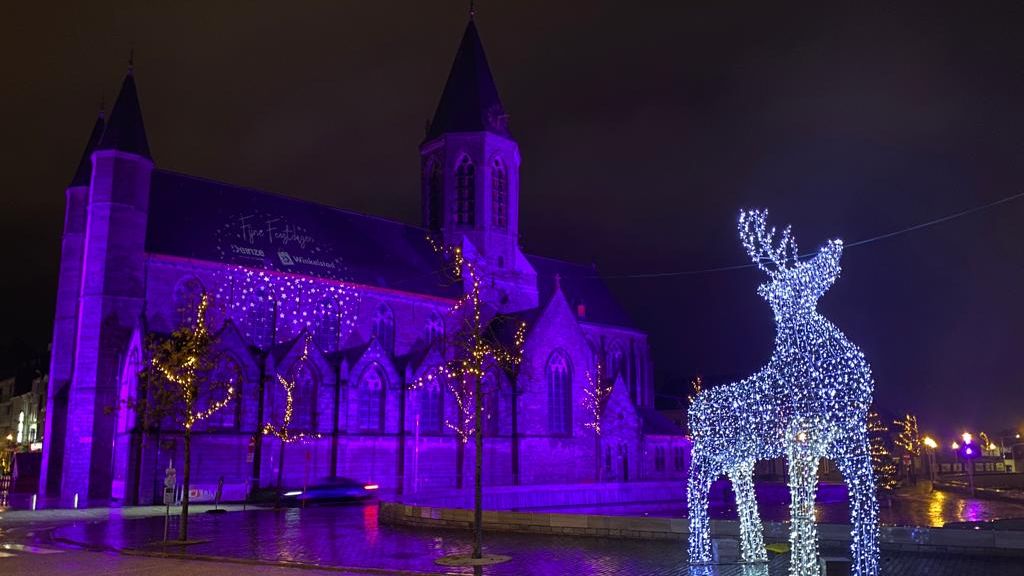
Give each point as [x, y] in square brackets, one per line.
[349, 536]
[917, 506]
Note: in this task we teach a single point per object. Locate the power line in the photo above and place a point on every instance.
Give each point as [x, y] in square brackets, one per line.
[913, 228]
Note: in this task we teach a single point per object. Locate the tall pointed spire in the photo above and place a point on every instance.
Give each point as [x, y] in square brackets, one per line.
[84, 172]
[125, 131]
[470, 101]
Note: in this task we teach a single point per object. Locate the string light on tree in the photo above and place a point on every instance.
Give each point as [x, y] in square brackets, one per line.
[596, 396]
[881, 457]
[184, 365]
[477, 351]
[283, 432]
[810, 401]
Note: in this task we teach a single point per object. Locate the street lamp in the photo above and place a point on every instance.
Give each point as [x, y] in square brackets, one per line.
[930, 444]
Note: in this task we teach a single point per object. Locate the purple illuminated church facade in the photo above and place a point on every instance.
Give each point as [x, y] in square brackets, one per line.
[141, 244]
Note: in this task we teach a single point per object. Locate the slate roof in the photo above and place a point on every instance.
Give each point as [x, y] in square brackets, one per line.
[125, 131]
[202, 219]
[581, 285]
[84, 172]
[470, 101]
[656, 424]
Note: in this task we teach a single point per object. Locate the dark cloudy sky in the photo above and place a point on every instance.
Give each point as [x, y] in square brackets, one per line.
[644, 127]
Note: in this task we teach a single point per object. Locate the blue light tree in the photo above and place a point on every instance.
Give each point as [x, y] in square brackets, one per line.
[809, 402]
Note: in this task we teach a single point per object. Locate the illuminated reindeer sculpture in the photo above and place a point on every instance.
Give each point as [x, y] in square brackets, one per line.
[810, 401]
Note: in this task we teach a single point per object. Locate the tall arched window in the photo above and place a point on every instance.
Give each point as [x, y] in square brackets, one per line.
[187, 294]
[370, 416]
[21, 427]
[431, 407]
[261, 320]
[226, 373]
[499, 195]
[435, 196]
[559, 379]
[384, 327]
[492, 403]
[434, 331]
[304, 405]
[465, 192]
[328, 324]
[616, 362]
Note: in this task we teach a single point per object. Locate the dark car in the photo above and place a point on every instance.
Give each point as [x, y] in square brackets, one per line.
[331, 490]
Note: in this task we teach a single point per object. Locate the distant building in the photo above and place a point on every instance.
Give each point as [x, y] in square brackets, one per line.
[22, 410]
[141, 244]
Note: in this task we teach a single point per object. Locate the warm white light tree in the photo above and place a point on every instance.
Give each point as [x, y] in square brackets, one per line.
[596, 395]
[809, 402]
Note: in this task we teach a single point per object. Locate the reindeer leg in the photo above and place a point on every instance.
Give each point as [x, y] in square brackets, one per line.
[803, 536]
[751, 531]
[855, 466]
[698, 486]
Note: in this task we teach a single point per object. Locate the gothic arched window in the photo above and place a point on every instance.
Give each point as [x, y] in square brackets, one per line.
[559, 380]
[499, 195]
[435, 196]
[434, 331]
[304, 405]
[370, 416]
[187, 294]
[261, 317]
[616, 362]
[465, 192]
[492, 403]
[431, 407]
[226, 373]
[328, 324]
[384, 327]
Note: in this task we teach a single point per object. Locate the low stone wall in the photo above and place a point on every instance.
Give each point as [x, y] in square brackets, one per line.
[1016, 496]
[893, 538]
[534, 497]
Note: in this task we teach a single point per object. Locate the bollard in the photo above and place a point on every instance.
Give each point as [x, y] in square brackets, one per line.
[34, 501]
[76, 501]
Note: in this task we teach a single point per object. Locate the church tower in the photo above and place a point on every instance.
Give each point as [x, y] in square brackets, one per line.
[470, 172]
[110, 296]
[65, 324]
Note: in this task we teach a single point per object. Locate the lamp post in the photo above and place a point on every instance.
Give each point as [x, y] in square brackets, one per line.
[969, 451]
[930, 445]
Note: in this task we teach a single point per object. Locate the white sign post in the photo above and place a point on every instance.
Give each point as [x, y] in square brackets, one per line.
[170, 479]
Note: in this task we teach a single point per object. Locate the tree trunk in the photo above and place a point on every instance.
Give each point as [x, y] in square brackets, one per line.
[478, 472]
[460, 460]
[597, 456]
[280, 468]
[186, 480]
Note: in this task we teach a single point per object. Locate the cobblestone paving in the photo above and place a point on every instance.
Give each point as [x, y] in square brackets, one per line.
[350, 537]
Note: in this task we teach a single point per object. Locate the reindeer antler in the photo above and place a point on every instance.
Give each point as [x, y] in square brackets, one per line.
[760, 242]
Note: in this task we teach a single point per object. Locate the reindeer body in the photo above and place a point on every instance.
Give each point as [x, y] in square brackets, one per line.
[810, 401]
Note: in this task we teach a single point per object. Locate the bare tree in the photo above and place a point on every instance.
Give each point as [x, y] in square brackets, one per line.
[283, 432]
[596, 397]
[478, 350]
[179, 389]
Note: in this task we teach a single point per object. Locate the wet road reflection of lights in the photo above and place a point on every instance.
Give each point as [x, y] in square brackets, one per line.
[936, 508]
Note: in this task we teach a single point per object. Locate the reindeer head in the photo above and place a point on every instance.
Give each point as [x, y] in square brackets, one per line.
[792, 285]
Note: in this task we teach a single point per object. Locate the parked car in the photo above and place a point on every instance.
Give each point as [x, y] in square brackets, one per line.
[330, 490]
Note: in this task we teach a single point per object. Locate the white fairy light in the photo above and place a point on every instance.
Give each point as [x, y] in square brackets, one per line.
[809, 402]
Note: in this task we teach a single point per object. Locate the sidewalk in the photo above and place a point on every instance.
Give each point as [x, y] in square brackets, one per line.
[349, 537]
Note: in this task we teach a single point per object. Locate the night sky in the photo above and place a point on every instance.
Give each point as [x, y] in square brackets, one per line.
[644, 128]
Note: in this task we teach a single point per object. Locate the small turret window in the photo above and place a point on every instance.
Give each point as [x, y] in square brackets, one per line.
[499, 195]
[465, 192]
[435, 196]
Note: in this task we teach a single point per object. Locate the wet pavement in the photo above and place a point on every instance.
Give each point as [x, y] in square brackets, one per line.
[349, 536]
[917, 506]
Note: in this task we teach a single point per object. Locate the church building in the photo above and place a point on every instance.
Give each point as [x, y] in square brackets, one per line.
[364, 297]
